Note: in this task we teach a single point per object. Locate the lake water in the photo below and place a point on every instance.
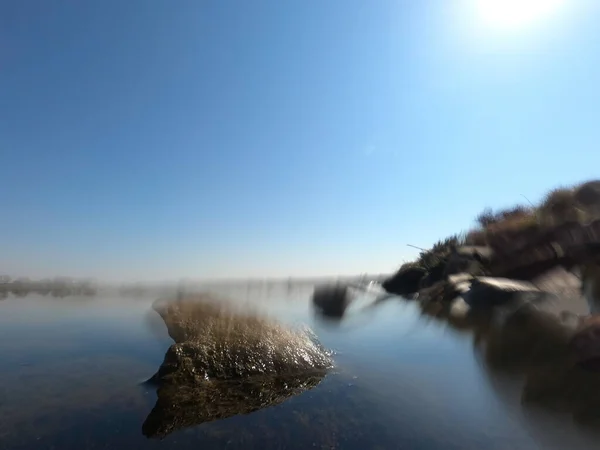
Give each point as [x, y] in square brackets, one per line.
[71, 373]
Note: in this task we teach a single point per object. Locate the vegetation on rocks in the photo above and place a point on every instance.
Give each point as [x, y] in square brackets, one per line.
[226, 361]
[502, 234]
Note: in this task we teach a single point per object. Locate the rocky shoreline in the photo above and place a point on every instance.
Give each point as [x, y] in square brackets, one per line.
[524, 282]
[524, 261]
[527, 282]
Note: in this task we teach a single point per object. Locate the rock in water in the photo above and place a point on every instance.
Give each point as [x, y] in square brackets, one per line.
[226, 362]
[459, 309]
[214, 341]
[406, 281]
[488, 292]
[331, 300]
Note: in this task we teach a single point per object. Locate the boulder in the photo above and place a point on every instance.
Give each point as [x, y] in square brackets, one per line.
[463, 264]
[459, 279]
[489, 292]
[226, 361]
[331, 300]
[587, 198]
[214, 341]
[468, 259]
[493, 298]
[444, 291]
[526, 257]
[434, 275]
[444, 297]
[406, 281]
[479, 253]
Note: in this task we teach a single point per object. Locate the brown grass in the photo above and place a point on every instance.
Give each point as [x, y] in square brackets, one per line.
[558, 206]
[439, 252]
[498, 227]
[511, 229]
[204, 314]
[490, 218]
[216, 340]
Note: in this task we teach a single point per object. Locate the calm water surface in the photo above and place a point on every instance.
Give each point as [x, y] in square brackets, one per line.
[71, 372]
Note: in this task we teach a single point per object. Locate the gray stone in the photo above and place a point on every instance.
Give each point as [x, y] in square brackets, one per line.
[460, 278]
[481, 253]
[488, 292]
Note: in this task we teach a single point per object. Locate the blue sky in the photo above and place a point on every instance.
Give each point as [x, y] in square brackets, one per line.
[157, 140]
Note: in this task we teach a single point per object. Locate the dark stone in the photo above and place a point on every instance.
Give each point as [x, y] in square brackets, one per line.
[461, 263]
[479, 253]
[446, 290]
[488, 292]
[405, 282]
[214, 341]
[587, 195]
[586, 343]
[567, 244]
[331, 300]
[434, 275]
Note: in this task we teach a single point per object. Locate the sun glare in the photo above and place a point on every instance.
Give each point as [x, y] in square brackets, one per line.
[515, 14]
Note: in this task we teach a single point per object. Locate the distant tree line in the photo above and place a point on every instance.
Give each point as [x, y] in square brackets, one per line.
[56, 287]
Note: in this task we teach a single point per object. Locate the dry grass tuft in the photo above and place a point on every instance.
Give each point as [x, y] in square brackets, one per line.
[216, 340]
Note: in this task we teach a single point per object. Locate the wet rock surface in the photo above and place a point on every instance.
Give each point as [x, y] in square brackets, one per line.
[213, 339]
[226, 362]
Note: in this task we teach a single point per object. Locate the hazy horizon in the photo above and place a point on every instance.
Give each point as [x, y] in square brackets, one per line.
[199, 280]
[153, 140]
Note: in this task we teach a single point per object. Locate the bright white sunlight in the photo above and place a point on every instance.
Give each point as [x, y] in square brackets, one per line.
[513, 15]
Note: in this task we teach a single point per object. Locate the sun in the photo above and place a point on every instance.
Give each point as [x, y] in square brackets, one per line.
[515, 14]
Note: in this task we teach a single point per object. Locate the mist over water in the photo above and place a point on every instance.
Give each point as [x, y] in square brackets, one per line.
[71, 373]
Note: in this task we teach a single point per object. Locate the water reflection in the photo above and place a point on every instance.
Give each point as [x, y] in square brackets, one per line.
[183, 406]
[553, 379]
[330, 302]
[70, 374]
[528, 360]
